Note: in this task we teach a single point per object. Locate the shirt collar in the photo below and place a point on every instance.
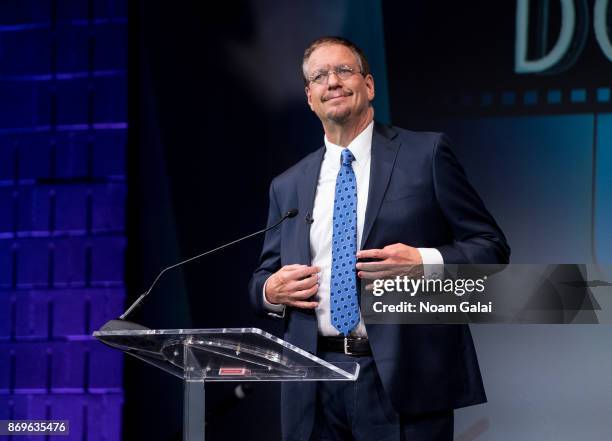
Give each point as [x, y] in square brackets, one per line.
[360, 147]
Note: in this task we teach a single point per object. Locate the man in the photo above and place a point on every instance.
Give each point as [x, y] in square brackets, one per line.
[400, 197]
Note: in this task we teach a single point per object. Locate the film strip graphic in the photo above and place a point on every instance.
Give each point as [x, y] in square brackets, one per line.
[525, 101]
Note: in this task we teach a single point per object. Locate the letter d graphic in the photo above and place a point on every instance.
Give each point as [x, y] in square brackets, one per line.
[564, 53]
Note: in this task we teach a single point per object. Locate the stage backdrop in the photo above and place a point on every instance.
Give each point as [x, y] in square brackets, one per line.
[522, 88]
[224, 102]
[217, 109]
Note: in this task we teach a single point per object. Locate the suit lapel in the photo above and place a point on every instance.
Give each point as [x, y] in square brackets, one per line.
[384, 151]
[307, 185]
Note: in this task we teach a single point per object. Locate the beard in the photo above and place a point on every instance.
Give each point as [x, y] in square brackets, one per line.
[339, 116]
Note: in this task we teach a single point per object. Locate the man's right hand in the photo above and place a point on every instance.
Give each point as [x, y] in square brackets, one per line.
[292, 285]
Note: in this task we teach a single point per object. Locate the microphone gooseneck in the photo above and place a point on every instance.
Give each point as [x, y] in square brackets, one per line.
[289, 214]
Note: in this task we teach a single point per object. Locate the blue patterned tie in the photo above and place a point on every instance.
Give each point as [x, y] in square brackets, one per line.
[344, 304]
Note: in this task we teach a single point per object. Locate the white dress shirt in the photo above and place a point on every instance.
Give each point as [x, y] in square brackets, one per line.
[321, 229]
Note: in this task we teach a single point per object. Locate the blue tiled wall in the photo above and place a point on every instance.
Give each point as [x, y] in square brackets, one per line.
[63, 123]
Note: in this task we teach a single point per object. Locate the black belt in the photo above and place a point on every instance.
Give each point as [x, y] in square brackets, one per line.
[345, 345]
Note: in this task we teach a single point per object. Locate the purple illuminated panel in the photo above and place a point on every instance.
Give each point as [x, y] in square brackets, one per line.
[63, 134]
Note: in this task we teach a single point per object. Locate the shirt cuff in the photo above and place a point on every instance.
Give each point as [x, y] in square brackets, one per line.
[433, 263]
[272, 307]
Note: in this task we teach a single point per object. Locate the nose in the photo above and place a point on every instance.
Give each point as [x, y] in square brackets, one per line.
[332, 79]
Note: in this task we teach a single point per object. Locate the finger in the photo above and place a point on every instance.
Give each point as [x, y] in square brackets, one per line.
[372, 266]
[303, 284]
[374, 253]
[295, 284]
[303, 294]
[387, 265]
[372, 275]
[305, 271]
[303, 304]
[292, 267]
[395, 247]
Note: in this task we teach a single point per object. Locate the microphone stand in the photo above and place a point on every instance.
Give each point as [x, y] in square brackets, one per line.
[122, 324]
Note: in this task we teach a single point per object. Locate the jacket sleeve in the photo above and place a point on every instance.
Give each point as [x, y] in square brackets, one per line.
[477, 237]
[269, 262]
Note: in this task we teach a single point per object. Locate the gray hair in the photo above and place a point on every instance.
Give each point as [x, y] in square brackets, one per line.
[364, 66]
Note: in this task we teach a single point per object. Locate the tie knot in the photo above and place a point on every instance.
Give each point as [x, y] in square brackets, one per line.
[347, 157]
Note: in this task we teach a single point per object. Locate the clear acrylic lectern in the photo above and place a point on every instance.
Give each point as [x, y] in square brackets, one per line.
[198, 356]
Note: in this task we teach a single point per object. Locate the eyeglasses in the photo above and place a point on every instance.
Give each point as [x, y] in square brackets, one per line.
[322, 76]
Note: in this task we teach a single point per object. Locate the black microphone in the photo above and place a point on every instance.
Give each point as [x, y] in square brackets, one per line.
[121, 323]
[309, 220]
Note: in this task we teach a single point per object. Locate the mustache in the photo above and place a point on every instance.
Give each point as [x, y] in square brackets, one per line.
[335, 94]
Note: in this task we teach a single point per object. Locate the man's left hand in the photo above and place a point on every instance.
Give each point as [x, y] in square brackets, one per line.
[394, 260]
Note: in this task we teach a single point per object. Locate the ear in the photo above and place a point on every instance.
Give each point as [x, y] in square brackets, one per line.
[308, 97]
[369, 80]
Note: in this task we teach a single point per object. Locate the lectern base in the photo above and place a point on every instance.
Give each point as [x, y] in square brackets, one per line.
[194, 411]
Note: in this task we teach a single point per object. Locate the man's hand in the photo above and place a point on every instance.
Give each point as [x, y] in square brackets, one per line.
[292, 285]
[394, 260]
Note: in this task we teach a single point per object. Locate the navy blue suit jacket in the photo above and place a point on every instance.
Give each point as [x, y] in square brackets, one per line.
[419, 196]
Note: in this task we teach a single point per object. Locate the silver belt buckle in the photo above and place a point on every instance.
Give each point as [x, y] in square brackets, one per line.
[346, 349]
